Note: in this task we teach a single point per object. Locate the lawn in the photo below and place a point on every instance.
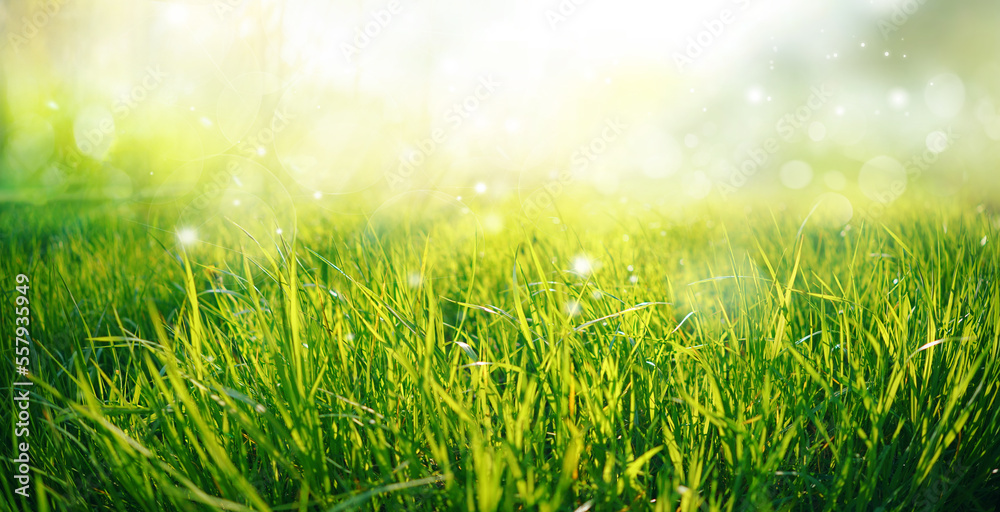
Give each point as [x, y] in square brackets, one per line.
[443, 355]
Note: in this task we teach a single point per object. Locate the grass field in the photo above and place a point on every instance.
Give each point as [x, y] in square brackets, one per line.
[614, 357]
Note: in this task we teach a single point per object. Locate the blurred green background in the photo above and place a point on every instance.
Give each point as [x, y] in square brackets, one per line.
[217, 107]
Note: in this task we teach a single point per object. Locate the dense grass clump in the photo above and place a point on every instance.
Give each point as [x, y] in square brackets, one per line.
[420, 359]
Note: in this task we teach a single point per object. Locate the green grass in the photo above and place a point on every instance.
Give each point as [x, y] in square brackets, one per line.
[713, 360]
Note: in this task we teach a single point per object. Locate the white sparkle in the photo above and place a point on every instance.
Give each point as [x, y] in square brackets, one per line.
[187, 236]
[582, 265]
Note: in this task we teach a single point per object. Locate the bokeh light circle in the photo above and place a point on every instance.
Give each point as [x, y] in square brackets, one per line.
[796, 174]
